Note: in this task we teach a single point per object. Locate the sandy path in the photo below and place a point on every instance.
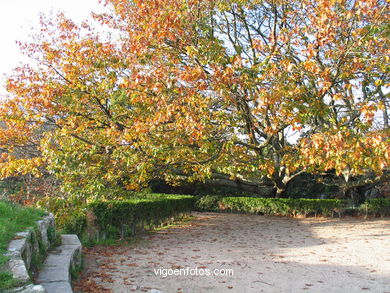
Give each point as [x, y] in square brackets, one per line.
[267, 254]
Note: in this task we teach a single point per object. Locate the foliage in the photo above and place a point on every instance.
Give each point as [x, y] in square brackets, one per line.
[72, 212]
[208, 203]
[376, 207]
[13, 218]
[243, 88]
[69, 212]
[119, 216]
[28, 190]
[282, 206]
[204, 189]
[10, 186]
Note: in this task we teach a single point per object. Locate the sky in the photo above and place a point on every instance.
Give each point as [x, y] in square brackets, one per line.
[18, 17]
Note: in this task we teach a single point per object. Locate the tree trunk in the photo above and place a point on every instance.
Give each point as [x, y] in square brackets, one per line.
[279, 192]
[281, 181]
[280, 185]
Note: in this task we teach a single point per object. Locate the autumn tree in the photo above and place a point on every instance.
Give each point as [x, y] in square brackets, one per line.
[187, 89]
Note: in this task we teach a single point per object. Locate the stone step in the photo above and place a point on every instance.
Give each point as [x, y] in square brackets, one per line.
[55, 276]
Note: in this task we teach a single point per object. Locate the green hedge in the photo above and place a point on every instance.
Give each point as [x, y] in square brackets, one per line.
[208, 203]
[122, 216]
[272, 206]
[376, 207]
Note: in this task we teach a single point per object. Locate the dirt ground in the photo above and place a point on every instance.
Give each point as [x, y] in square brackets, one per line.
[266, 254]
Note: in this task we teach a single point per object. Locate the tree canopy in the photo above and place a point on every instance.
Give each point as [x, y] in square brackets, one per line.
[184, 89]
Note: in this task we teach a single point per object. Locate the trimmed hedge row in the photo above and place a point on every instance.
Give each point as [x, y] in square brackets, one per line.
[290, 206]
[101, 219]
[281, 206]
[376, 207]
[123, 216]
[208, 203]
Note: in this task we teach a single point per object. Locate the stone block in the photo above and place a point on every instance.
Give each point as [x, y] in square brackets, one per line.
[18, 269]
[58, 287]
[55, 276]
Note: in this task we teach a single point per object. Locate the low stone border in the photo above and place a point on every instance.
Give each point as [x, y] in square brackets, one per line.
[29, 289]
[55, 276]
[26, 246]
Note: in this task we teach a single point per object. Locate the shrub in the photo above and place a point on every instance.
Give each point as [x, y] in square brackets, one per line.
[281, 206]
[74, 222]
[70, 213]
[376, 207]
[122, 216]
[207, 203]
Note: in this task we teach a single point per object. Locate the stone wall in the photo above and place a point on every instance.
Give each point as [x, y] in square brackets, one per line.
[27, 249]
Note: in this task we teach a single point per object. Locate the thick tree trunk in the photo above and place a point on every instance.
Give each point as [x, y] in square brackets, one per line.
[281, 181]
[279, 192]
[280, 185]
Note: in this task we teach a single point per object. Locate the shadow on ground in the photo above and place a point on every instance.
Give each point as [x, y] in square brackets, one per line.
[266, 254]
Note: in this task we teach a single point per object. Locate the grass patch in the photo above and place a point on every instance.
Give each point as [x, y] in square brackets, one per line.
[13, 218]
